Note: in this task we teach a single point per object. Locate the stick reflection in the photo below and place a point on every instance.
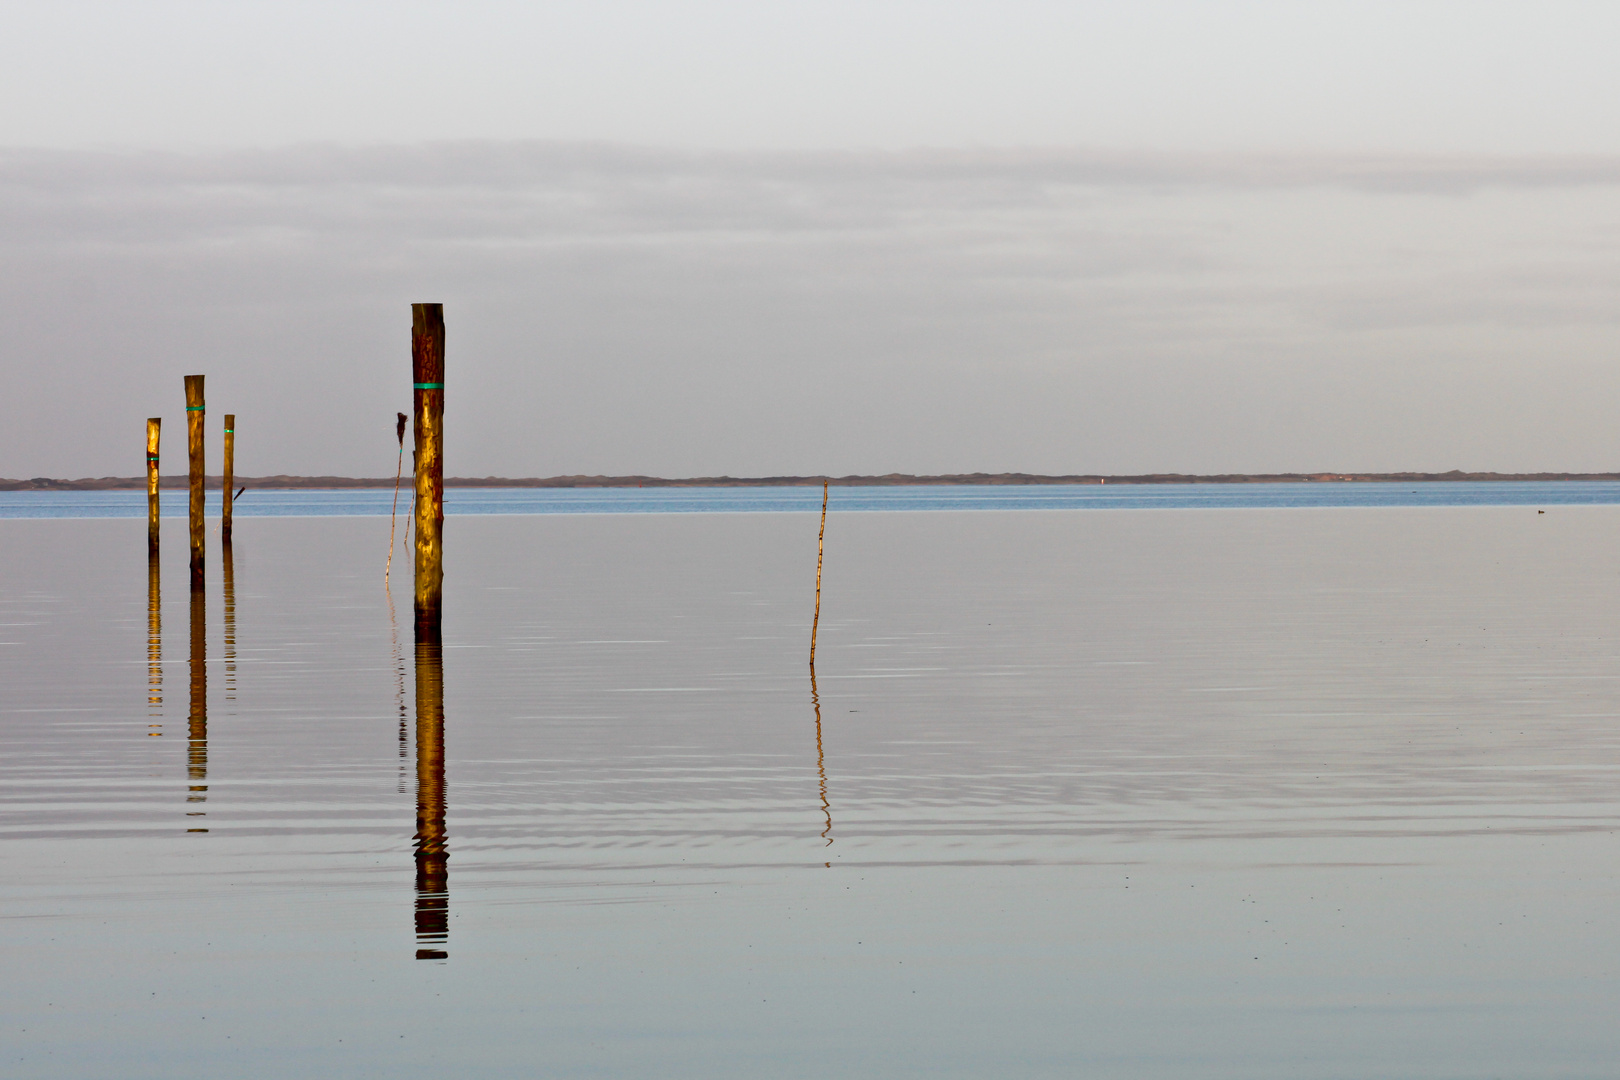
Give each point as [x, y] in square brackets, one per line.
[432, 854]
[821, 761]
[399, 688]
[197, 747]
[154, 645]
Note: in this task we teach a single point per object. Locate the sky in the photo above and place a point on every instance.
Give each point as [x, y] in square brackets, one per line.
[753, 238]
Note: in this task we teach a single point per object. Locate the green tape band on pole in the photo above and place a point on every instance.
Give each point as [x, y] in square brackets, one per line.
[429, 385]
[230, 431]
[195, 408]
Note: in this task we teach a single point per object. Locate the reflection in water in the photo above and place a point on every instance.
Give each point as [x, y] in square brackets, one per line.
[821, 760]
[197, 749]
[399, 686]
[230, 620]
[154, 644]
[432, 856]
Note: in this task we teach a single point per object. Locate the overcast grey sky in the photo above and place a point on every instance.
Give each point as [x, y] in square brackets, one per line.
[762, 238]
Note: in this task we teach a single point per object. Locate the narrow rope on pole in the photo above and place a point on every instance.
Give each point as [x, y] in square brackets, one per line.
[399, 470]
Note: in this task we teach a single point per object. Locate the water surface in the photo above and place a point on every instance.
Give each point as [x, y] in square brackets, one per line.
[1171, 793]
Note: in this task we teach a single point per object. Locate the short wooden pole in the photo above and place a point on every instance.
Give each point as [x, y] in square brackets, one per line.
[154, 427]
[230, 478]
[194, 448]
[427, 377]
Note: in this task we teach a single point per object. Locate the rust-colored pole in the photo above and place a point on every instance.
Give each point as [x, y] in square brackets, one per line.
[230, 478]
[427, 377]
[154, 427]
[194, 449]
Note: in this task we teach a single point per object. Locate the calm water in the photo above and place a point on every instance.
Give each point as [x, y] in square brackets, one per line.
[271, 503]
[1171, 793]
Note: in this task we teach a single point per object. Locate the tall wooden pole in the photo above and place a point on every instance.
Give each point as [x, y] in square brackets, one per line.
[154, 427]
[194, 448]
[230, 478]
[427, 377]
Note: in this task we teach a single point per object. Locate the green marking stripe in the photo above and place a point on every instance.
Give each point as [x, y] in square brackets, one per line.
[428, 385]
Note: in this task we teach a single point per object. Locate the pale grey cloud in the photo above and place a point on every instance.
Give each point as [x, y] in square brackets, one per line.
[628, 309]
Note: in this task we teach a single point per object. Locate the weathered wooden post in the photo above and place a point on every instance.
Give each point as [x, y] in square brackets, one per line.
[154, 426]
[427, 377]
[230, 479]
[194, 448]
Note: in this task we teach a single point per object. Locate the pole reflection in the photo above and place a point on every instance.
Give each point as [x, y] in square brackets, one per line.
[821, 762]
[230, 620]
[432, 854]
[197, 747]
[154, 644]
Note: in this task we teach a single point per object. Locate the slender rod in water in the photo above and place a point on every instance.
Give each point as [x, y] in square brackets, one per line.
[820, 537]
[399, 470]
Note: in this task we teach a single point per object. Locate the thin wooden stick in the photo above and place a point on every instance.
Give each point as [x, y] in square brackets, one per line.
[399, 470]
[821, 536]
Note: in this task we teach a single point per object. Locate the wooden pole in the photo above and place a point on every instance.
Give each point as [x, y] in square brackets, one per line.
[816, 622]
[427, 377]
[154, 427]
[194, 449]
[230, 478]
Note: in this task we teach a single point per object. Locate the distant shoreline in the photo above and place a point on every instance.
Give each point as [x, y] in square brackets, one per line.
[125, 483]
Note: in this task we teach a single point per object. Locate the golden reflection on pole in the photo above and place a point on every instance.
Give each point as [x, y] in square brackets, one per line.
[197, 746]
[194, 456]
[427, 380]
[154, 642]
[821, 762]
[228, 564]
[432, 854]
[228, 478]
[154, 428]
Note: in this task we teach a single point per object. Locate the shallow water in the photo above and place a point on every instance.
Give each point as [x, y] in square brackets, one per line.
[1169, 793]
